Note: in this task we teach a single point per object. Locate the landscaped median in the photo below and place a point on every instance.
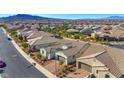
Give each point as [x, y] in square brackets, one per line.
[32, 61]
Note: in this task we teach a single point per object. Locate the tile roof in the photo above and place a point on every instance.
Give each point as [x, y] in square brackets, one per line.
[107, 56]
[72, 30]
[75, 49]
[45, 40]
[118, 57]
[117, 33]
[38, 34]
[106, 59]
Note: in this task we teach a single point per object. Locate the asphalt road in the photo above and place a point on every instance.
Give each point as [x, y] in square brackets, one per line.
[17, 65]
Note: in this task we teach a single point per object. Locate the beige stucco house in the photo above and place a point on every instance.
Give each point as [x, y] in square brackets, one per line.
[68, 54]
[102, 61]
[100, 64]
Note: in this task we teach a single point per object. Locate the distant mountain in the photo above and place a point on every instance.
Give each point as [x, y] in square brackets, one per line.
[26, 17]
[115, 17]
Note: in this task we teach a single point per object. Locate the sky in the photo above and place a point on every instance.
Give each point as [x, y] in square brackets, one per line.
[71, 16]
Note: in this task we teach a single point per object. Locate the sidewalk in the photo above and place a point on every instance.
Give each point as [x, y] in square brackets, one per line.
[29, 59]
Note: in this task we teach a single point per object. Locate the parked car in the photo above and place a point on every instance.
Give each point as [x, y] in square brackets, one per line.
[2, 64]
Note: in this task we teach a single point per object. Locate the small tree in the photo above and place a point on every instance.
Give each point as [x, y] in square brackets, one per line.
[14, 33]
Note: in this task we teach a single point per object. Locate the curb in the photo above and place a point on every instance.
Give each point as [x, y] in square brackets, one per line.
[30, 60]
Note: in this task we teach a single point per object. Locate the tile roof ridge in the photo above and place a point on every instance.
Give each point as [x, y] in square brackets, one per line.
[93, 55]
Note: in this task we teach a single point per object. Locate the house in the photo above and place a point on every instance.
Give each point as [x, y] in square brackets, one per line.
[69, 53]
[13, 26]
[112, 35]
[118, 56]
[24, 30]
[73, 30]
[104, 34]
[35, 26]
[79, 27]
[100, 64]
[96, 28]
[102, 61]
[43, 41]
[107, 27]
[33, 36]
[49, 52]
[117, 35]
[120, 26]
[87, 31]
[44, 26]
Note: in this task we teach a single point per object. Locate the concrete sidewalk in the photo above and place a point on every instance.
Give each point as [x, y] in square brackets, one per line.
[29, 59]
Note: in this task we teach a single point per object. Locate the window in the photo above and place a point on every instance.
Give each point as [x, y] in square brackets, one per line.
[42, 52]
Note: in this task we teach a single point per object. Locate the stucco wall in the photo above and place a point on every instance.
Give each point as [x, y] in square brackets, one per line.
[90, 61]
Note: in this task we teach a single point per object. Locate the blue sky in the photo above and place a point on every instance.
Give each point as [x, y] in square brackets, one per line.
[71, 16]
[80, 16]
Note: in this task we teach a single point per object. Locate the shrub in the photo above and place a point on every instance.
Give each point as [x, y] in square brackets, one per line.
[61, 62]
[76, 36]
[24, 45]
[20, 37]
[39, 56]
[14, 33]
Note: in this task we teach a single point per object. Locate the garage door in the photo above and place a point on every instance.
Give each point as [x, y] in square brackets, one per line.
[85, 67]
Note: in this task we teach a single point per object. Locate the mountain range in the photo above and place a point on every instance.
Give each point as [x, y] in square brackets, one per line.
[115, 17]
[26, 17]
[23, 17]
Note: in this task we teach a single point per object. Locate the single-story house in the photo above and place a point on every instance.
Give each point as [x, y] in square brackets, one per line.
[96, 28]
[20, 31]
[100, 64]
[102, 61]
[24, 34]
[49, 52]
[117, 34]
[37, 34]
[87, 31]
[41, 42]
[69, 53]
[73, 30]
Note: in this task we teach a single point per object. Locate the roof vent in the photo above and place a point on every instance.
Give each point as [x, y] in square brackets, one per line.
[64, 47]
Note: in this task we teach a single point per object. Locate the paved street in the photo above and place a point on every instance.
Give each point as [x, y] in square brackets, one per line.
[17, 65]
